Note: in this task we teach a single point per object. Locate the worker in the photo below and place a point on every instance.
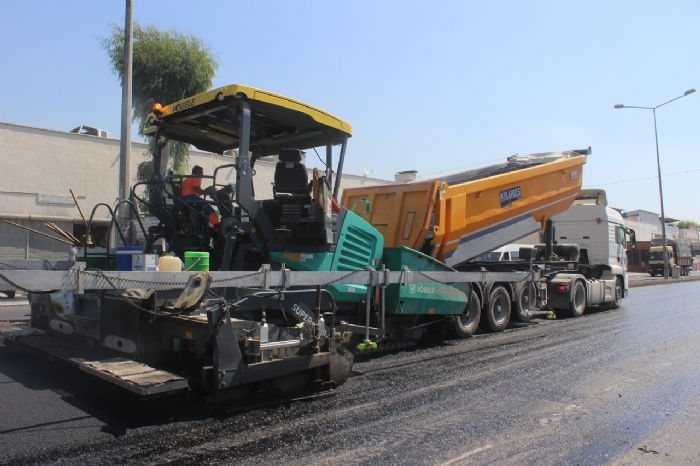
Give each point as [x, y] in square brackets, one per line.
[192, 190]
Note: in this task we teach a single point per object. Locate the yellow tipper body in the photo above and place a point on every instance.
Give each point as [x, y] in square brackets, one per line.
[457, 217]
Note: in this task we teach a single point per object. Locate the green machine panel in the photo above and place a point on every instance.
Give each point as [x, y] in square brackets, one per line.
[359, 246]
[423, 298]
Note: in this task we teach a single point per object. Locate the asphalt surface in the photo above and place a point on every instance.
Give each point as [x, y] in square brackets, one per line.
[619, 387]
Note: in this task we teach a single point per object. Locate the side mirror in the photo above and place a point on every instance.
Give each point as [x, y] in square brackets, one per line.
[633, 238]
[367, 205]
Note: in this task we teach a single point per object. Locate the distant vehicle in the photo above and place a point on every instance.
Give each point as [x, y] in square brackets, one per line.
[509, 252]
[680, 257]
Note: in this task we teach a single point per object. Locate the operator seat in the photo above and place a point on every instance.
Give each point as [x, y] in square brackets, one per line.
[291, 188]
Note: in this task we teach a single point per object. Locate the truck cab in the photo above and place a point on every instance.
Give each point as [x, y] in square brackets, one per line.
[596, 235]
[600, 233]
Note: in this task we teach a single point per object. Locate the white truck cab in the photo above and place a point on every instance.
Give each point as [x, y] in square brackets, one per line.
[594, 237]
[600, 233]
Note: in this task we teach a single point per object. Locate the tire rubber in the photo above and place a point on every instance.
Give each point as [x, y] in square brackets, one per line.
[473, 310]
[574, 295]
[520, 312]
[498, 299]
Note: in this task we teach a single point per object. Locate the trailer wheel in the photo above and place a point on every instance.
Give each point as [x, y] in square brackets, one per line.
[525, 303]
[496, 315]
[466, 324]
[577, 300]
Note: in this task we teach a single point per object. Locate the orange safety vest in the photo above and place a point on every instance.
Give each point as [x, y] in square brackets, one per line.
[188, 185]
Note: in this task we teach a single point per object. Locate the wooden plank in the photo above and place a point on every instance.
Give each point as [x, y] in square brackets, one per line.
[134, 376]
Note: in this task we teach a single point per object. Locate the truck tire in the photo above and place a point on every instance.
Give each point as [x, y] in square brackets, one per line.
[577, 299]
[496, 314]
[525, 303]
[10, 294]
[617, 295]
[466, 324]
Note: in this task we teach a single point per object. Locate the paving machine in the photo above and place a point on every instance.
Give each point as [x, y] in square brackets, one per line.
[294, 279]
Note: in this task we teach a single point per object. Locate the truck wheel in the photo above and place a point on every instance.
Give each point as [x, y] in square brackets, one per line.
[10, 294]
[466, 324]
[618, 295]
[577, 299]
[496, 315]
[525, 303]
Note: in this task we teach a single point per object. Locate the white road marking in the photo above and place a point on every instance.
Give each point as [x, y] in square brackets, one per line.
[467, 454]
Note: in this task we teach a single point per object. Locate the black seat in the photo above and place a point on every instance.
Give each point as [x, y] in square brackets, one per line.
[291, 189]
[291, 178]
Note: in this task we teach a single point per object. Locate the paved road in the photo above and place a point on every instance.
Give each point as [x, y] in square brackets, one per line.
[618, 387]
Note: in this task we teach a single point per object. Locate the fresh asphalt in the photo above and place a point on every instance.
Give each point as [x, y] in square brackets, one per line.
[619, 386]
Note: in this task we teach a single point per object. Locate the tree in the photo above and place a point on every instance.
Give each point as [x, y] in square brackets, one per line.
[687, 224]
[167, 66]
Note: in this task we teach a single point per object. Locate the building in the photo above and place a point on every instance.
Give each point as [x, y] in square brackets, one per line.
[39, 166]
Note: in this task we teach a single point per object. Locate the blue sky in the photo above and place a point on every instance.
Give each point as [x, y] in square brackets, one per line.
[431, 86]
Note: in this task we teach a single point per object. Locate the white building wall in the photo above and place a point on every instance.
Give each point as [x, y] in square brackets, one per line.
[645, 224]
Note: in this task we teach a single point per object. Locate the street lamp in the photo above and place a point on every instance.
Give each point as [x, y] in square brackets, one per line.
[658, 167]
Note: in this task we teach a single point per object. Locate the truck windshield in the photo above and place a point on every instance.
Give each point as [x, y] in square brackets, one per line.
[656, 255]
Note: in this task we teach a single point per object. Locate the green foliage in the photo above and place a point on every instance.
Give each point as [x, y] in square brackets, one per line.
[167, 67]
[687, 224]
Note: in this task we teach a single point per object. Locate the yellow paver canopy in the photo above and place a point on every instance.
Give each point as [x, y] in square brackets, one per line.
[207, 121]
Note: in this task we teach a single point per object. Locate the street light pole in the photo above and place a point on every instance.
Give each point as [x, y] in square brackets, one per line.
[658, 168]
[661, 198]
[125, 142]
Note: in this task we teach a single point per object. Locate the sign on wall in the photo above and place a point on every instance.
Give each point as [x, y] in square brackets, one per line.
[54, 199]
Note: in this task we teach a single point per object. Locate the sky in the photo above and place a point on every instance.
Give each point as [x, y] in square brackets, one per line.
[428, 86]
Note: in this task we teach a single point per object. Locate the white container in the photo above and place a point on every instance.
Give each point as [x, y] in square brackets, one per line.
[170, 264]
[144, 262]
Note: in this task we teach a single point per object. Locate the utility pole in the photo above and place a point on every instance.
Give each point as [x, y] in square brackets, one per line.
[658, 168]
[125, 143]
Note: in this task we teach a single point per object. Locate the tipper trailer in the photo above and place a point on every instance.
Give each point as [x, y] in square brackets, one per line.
[292, 278]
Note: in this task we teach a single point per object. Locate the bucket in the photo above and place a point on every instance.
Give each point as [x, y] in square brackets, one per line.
[169, 264]
[196, 261]
[95, 261]
[124, 254]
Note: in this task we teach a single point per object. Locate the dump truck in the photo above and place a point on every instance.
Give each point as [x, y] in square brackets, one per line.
[680, 257]
[457, 217]
[294, 284]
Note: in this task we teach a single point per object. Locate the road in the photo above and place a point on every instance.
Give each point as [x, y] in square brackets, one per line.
[612, 387]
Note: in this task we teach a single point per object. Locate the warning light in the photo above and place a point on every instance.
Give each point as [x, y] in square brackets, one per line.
[157, 108]
[561, 288]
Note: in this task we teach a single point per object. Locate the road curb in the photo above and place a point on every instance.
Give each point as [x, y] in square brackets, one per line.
[660, 281]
